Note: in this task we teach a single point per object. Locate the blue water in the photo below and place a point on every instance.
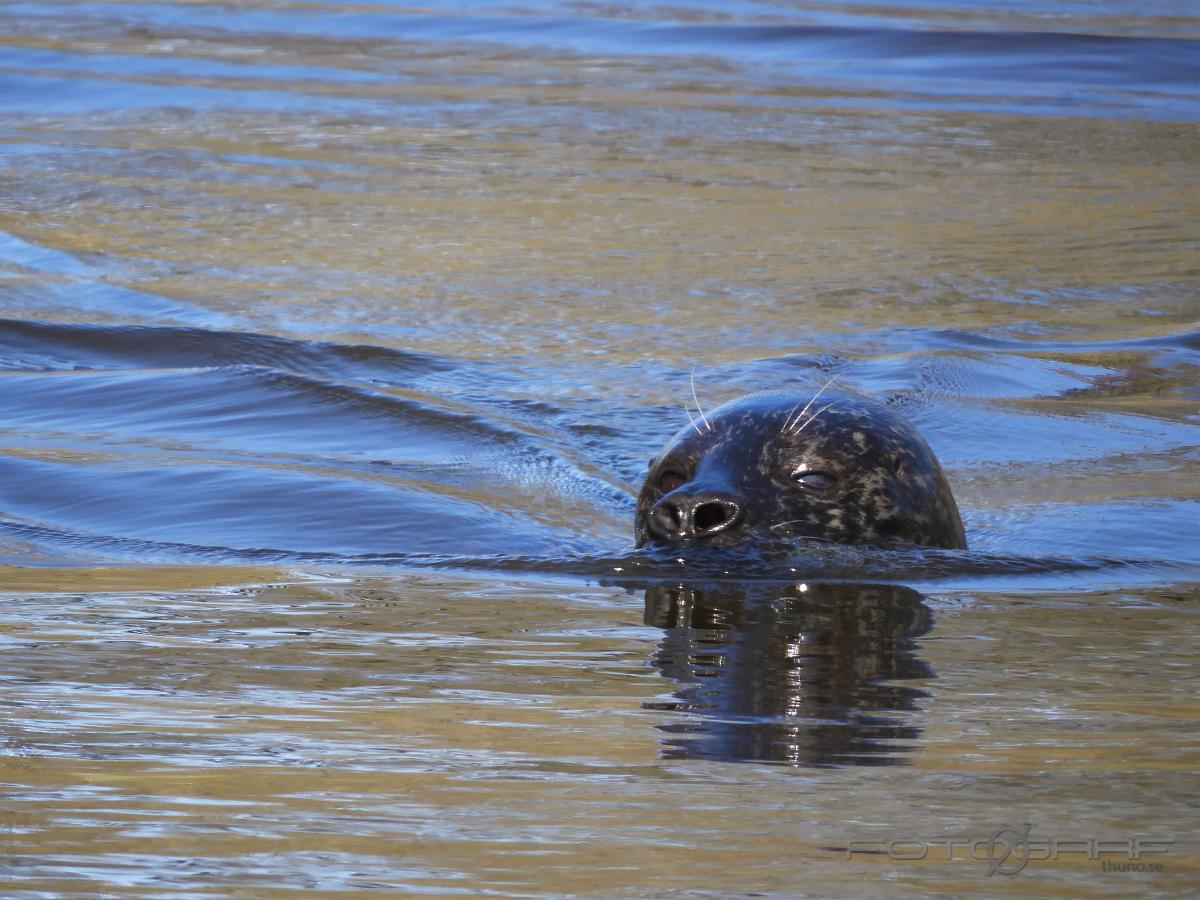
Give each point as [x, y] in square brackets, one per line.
[1129, 61]
[219, 446]
[375, 290]
[394, 303]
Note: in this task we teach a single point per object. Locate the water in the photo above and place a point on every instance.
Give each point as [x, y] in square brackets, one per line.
[334, 339]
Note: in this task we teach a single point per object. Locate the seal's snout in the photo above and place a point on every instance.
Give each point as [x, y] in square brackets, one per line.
[681, 516]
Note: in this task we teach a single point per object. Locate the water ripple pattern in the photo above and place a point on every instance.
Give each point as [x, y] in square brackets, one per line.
[335, 338]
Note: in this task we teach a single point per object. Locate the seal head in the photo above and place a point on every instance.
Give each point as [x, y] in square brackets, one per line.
[835, 467]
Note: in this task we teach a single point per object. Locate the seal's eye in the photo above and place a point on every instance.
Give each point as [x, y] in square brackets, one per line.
[670, 480]
[814, 481]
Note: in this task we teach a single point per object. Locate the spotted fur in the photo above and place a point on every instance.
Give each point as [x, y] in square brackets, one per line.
[886, 487]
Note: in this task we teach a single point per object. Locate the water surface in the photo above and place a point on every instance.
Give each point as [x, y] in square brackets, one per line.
[334, 340]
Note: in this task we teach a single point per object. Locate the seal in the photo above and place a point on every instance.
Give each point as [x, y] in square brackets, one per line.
[831, 466]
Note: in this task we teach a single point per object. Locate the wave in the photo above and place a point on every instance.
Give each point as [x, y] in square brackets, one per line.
[990, 66]
[924, 568]
[162, 443]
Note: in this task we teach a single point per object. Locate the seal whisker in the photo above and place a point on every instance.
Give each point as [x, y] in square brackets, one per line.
[688, 410]
[813, 417]
[703, 418]
[789, 422]
[789, 522]
[788, 417]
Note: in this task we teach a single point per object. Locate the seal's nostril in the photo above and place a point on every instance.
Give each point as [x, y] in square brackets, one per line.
[682, 517]
[714, 515]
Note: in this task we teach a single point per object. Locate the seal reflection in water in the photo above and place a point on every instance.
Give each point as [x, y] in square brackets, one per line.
[807, 675]
[831, 466]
